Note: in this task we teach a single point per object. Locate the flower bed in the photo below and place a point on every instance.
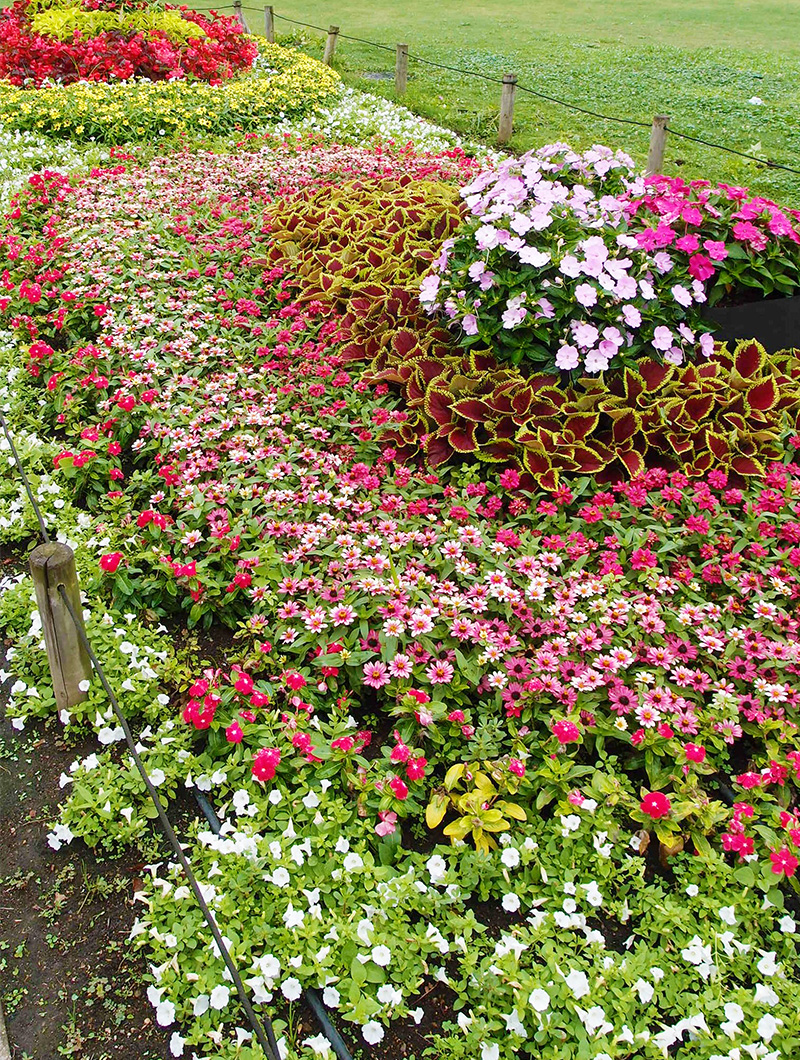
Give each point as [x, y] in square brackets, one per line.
[43, 42]
[444, 689]
[572, 262]
[291, 84]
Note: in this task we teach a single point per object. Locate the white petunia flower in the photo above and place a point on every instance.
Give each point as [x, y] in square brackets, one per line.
[220, 996]
[515, 1025]
[594, 1020]
[539, 1000]
[331, 997]
[645, 990]
[373, 1032]
[437, 867]
[165, 1013]
[389, 995]
[768, 964]
[765, 995]
[291, 988]
[768, 1027]
[578, 983]
[319, 1046]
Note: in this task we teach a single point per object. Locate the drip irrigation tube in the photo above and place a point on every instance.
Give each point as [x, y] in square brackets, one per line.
[311, 995]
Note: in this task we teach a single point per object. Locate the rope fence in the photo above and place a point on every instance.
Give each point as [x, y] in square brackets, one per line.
[659, 126]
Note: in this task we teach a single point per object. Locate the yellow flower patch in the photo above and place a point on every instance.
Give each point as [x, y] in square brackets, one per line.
[136, 110]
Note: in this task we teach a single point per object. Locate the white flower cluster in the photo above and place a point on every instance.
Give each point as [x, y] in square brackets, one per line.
[355, 117]
[24, 153]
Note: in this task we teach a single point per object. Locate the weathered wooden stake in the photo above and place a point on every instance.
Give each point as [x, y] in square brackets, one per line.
[52, 565]
[658, 139]
[330, 45]
[401, 70]
[239, 14]
[506, 124]
[269, 23]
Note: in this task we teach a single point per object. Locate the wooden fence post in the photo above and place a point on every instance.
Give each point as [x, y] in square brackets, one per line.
[52, 565]
[239, 15]
[330, 45]
[506, 124]
[658, 139]
[401, 70]
[269, 23]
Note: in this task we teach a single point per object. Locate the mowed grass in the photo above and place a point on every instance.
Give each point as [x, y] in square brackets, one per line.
[699, 63]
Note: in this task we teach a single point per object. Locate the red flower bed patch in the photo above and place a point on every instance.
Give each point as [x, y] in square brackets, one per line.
[28, 58]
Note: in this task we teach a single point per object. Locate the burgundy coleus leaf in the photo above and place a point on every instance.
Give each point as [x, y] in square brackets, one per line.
[654, 375]
[680, 443]
[473, 409]
[718, 446]
[404, 342]
[697, 408]
[747, 359]
[633, 460]
[438, 405]
[579, 427]
[437, 450]
[461, 437]
[762, 396]
[747, 466]
[498, 451]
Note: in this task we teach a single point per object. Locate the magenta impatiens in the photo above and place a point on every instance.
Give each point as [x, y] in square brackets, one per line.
[572, 262]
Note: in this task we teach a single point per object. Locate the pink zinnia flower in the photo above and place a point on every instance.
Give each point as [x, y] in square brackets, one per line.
[401, 666]
[440, 672]
[376, 675]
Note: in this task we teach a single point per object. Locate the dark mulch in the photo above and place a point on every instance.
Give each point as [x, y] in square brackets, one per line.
[69, 984]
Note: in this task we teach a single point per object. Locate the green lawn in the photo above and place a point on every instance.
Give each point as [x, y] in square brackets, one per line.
[699, 63]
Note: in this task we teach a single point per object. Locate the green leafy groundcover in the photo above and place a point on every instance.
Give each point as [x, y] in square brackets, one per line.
[532, 753]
